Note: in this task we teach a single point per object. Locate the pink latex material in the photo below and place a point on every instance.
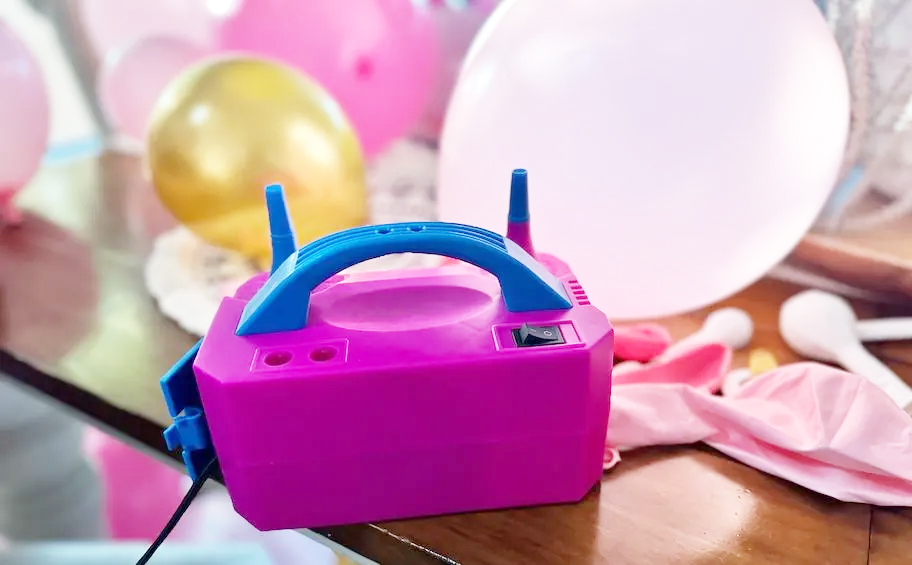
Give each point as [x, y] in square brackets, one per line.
[114, 25]
[132, 80]
[702, 367]
[713, 144]
[377, 58]
[819, 427]
[432, 407]
[140, 492]
[640, 342]
[24, 119]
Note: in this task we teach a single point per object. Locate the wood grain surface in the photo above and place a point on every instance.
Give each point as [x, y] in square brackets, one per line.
[77, 323]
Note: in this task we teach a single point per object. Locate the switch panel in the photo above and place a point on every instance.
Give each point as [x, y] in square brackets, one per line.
[535, 336]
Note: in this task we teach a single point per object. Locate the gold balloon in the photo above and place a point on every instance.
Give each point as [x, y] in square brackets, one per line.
[226, 128]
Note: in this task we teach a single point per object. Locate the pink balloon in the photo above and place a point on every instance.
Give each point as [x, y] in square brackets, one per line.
[24, 117]
[677, 149]
[456, 28]
[376, 57]
[116, 24]
[140, 492]
[131, 81]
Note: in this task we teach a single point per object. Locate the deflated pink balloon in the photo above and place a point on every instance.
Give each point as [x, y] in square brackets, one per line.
[24, 117]
[131, 81]
[376, 57]
[116, 24]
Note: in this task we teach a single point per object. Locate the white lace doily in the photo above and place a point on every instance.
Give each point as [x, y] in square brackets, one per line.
[188, 277]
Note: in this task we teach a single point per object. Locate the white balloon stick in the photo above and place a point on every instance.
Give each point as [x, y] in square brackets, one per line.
[884, 329]
[823, 326]
[730, 326]
[860, 361]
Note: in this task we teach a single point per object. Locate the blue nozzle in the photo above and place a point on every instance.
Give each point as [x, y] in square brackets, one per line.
[519, 197]
[280, 230]
[519, 229]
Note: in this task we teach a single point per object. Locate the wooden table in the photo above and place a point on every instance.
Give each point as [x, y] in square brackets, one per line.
[77, 323]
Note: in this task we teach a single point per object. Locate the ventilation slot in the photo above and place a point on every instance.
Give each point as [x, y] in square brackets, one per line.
[579, 295]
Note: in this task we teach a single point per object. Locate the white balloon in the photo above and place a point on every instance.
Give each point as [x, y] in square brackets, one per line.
[676, 149]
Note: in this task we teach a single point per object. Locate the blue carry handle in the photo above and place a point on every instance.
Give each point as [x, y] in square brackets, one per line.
[282, 303]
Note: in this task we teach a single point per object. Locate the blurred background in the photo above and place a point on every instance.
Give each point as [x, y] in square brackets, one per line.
[77, 121]
[88, 50]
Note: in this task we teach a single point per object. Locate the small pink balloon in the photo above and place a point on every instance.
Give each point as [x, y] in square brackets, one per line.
[24, 118]
[376, 57]
[131, 81]
[135, 509]
[116, 24]
[456, 28]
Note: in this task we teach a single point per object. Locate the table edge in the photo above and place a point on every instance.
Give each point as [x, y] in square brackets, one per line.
[371, 541]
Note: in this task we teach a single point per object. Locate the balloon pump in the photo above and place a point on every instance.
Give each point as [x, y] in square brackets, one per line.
[330, 398]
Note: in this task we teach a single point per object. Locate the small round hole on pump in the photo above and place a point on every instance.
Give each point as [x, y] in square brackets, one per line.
[417, 228]
[277, 358]
[323, 354]
[383, 230]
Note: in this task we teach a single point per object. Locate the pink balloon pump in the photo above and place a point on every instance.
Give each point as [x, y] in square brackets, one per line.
[463, 389]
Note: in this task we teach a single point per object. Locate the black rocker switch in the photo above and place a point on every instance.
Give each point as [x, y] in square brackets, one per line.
[533, 336]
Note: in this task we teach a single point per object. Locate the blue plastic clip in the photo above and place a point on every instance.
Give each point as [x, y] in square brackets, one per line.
[189, 432]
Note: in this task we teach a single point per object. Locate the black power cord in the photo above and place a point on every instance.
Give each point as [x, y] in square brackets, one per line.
[178, 514]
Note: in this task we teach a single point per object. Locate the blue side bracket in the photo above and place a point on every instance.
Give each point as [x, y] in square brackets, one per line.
[189, 431]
